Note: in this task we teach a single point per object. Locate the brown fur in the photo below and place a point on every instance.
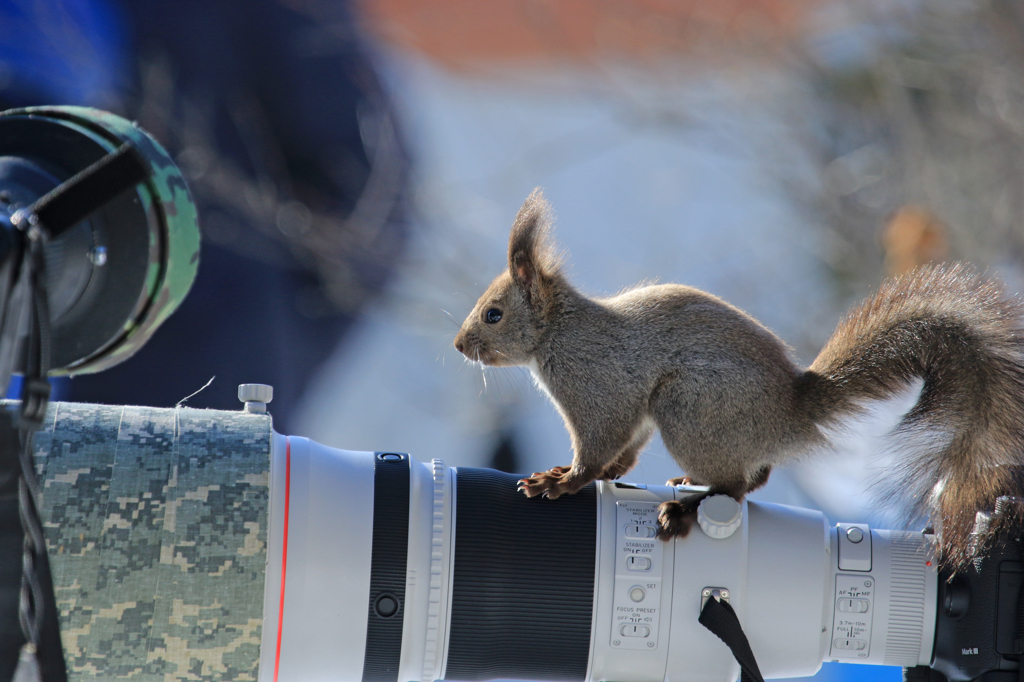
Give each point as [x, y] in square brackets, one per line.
[729, 400]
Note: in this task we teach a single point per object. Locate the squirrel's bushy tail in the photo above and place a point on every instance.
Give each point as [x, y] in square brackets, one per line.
[964, 337]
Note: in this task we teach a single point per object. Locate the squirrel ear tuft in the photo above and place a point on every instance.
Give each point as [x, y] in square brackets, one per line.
[529, 248]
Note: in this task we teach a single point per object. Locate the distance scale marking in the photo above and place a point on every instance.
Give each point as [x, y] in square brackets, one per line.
[636, 606]
[851, 625]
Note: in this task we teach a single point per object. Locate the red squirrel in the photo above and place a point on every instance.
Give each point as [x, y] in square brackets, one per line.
[730, 401]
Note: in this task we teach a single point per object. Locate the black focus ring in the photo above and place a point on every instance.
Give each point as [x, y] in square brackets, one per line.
[387, 567]
[523, 581]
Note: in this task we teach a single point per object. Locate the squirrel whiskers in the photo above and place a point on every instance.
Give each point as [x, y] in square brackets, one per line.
[729, 400]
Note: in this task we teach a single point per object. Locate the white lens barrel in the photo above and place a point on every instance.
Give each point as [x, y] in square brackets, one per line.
[493, 585]
[774, 569]
[884, 601]
[318, 562]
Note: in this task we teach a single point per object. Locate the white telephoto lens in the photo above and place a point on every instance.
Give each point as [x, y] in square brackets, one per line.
[184, 537]
[385, 569]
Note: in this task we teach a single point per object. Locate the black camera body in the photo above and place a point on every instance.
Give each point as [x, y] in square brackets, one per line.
[979, 634]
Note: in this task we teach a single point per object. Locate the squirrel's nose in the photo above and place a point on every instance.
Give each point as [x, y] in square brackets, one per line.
[458, 345]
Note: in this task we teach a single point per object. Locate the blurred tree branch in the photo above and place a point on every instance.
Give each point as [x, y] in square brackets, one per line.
[933, 118]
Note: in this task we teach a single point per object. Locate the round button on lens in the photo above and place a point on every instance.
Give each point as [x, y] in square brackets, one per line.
[386, 605]
[855, 535]
[637, 594]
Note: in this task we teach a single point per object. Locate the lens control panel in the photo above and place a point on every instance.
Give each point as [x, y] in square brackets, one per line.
[638, 576]
[851, 626]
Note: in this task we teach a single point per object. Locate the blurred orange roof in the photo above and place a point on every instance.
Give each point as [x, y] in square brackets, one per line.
[466, 33]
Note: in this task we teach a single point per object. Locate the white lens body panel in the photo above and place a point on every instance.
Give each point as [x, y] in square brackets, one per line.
[607, 661]
[775, 567]
[787, 588]
[327, 574]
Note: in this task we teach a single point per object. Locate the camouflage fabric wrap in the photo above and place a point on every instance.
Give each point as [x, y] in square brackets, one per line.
[174, 224]
[156, 524]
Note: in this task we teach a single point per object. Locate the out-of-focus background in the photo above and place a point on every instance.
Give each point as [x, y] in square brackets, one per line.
[357, 167]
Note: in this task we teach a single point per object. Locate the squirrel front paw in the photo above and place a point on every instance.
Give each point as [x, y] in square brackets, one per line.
[679, 480]
[675, 518]
[551, 483]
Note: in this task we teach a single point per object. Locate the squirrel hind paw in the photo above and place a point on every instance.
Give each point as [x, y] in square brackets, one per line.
[675, 519]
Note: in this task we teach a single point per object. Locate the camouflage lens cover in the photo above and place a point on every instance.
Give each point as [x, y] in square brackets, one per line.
[167, 215]
[156, 526]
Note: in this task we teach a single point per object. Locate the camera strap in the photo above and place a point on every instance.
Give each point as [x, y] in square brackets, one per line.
[720, 618]
[26, 315]
[78, 196]
[41, 657]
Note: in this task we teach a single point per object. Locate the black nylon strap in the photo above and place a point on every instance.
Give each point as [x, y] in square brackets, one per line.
[721, 620]
[93, 187]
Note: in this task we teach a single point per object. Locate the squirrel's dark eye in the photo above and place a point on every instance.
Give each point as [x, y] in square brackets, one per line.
[493, 315]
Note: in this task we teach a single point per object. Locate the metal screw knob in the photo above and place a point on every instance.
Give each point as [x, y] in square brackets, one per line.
[255, 397]
[719, 516]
